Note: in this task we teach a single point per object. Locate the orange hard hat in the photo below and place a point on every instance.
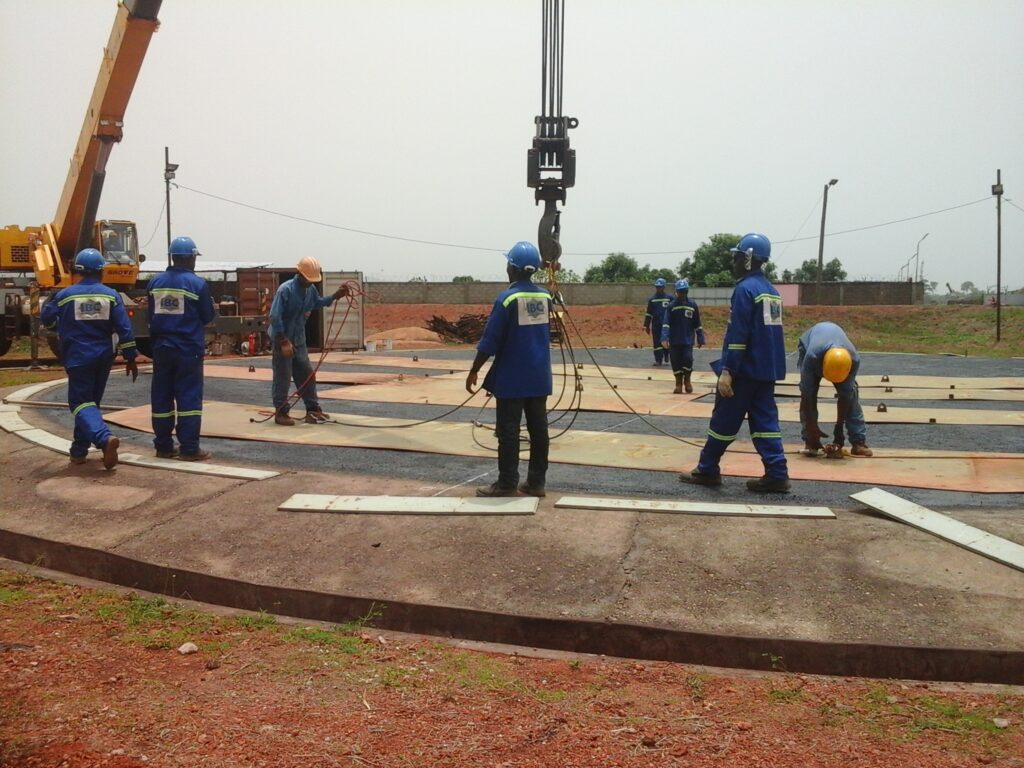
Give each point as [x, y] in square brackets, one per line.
[836, 365]
[309, 268]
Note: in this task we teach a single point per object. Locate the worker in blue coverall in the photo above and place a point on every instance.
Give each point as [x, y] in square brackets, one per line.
[87, 315]
[517, 334]
[825, 351]
[655, 317]
[753, 359]
[293, 303]
[678, 332]
[179, 306]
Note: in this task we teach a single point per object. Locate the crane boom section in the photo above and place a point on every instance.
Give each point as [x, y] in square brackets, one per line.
[134, 25]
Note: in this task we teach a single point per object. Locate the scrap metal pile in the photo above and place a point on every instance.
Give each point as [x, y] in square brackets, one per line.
[466, 330]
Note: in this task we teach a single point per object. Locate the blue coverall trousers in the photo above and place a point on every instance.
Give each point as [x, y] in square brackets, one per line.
[756, 401]
[660, 353]
[86, 384]
[296, 369]
[176, 398]
[681, 356]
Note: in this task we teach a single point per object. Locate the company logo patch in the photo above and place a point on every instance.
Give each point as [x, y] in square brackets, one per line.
[168, 304]
[772, 311]
[92, 309]
[532, 311]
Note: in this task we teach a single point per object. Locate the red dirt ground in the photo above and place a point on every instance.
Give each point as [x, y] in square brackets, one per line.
[102, 685]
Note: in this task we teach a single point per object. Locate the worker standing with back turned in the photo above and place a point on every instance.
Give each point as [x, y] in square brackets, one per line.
[825, 351]
[681, 328]
[293, 303]
[655, 317]
[87, 315]
[518, 336]
[753, 359]
[179, 306]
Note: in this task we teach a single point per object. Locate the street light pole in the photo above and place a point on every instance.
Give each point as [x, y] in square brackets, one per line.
[821, 239]
[997, 190]
[169, 169]
[917, 257]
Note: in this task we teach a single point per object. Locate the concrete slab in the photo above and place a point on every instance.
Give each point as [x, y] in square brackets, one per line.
[408, 505]
[695, 507]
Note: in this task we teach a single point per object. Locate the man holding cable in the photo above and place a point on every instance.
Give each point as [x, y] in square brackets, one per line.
[293, 303]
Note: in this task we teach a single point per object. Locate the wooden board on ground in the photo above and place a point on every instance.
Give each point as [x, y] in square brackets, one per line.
[976, 540]
[981, 473]
[597, 396]
[590, 370]
[242, 373]
[409, 505]
[694, 507]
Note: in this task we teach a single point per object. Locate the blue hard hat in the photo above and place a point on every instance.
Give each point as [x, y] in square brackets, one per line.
[754, 244]
[683, 285]
[659, 283]
[183, 247]
[524, 256]
[89, 260]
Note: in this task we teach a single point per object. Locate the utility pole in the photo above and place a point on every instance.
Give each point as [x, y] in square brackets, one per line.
[169, 169]
[821, 240]
[997, 190]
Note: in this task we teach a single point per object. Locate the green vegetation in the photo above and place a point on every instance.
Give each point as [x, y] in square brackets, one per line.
[711, 263]
[831, 272]
[620, 268]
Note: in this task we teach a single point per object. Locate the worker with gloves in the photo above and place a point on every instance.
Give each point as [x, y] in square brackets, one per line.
[293, 303]
[681, 325]
[825, 351]
[87, 315]
[517, 334]
[753, 359]
[655, 317]
[179, 306]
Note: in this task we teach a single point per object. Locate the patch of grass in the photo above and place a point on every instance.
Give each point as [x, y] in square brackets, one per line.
[946, 715]
[785, 695]
[695, 683]
[337, 638]
[261, 620]
[13, 596]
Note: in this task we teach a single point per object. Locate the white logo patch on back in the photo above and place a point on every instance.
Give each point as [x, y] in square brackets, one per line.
[168, 303]
[532, 310]
[87, 308]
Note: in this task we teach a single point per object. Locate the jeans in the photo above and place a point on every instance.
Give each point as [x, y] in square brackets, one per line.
[848, 391]
[298, 369]
[86, 384]
[509, 415]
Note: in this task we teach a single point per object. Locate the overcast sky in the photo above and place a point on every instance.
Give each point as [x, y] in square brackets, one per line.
[413, 119]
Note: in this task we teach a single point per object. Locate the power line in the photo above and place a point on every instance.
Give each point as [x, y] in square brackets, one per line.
[578, 253]
[801, 227]
[159, 218]
[1008, 200]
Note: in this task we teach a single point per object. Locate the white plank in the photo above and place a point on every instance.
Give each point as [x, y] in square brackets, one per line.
[46, 440]
[6, 407]
[694, 507]
[410, 505]
[26, 393]
[12, 422]
[976, 540]
[196, 467]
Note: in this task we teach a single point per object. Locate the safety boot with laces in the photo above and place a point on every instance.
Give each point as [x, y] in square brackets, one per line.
[316, 417]
[860, 449]
[765, 484]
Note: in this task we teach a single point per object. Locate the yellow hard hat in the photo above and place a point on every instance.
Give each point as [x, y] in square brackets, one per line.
[836, 365]
[309, 268]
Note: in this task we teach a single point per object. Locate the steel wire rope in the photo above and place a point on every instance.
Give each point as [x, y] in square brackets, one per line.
[159, 218]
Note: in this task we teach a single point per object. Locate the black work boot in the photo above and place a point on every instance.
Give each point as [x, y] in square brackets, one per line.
[496, 490]
[696, 477]
[679, 385]
[686, 382]
[765, 484]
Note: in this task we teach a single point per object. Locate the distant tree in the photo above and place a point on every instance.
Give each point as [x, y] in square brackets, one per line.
[787, 276]
[967, 287]
[620, 268]
[419, 279]
[464, 279]
[711, 263]
[564, 276]
[831, 272]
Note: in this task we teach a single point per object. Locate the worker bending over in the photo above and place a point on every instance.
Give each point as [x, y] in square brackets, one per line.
[826, 351]
[655, 317]
[87, 315]
[753, 359]
[518, 336]
[179, 306]
[681, 325]
[293, 303]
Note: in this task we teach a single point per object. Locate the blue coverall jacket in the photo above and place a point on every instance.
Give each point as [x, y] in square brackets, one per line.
[754, 347]
[179, 306]
[87, 315]
[518, 336]
[292, 307]
[682, 323]
[656, 308]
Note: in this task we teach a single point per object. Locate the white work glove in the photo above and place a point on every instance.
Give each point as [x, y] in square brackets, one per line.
[725, 384]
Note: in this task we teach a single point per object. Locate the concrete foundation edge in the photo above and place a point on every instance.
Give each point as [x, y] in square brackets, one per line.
[652, 643]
